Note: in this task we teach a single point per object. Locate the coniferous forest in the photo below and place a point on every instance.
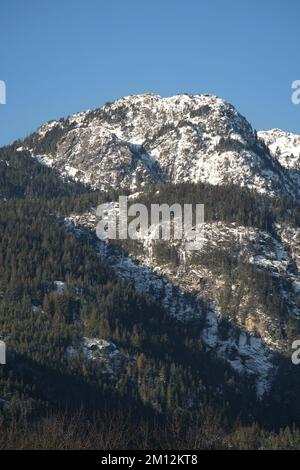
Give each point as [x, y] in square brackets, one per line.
[164, 392]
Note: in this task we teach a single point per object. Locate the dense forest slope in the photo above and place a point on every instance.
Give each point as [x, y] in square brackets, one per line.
[148, 327]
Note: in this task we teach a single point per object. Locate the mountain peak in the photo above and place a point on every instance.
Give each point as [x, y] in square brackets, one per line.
[285, 147]
[146, 137]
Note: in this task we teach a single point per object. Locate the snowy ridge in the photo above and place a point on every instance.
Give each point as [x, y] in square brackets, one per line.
[145, 138]
[284, 147]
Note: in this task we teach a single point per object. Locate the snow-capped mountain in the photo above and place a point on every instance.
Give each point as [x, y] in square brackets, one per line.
[201, 138]
[148, 138]
[285, 147]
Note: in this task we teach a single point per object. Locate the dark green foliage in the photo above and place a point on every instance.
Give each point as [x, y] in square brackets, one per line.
[167, 368]
[22, 176]
[229, 204]
[39, 323]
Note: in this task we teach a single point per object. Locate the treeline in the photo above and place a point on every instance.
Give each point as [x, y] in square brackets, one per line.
[229, 204]
[21, 176]
[204, 430]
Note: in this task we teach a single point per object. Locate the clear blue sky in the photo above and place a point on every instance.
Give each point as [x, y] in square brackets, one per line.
[62, 56]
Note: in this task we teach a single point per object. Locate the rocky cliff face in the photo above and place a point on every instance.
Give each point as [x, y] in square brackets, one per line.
[285, 148]
[148, 138]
